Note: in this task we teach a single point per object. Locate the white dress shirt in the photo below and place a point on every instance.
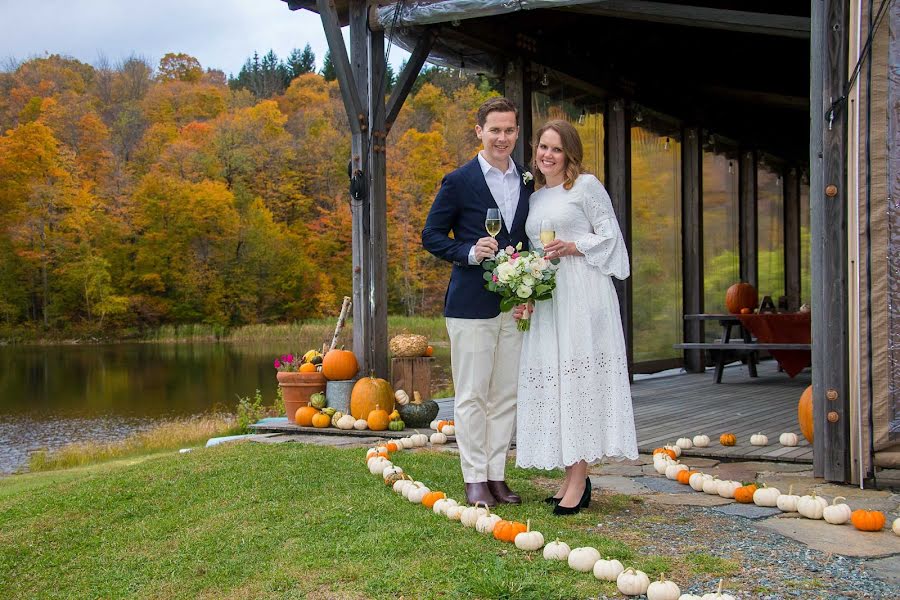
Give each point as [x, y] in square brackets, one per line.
[504, 187]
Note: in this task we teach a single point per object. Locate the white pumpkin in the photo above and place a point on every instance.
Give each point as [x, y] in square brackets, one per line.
[470, 514]
[402, 484]
[608, 569]
[788, 439]
[759, 440]
[413, 485]
[486, 523]
[345, 422]
[556, 550]
[419, 440]
[689, 597]
[583, 559]
[661, 464]
[812, 506]
[378, 464]
[417, 493]
[672, 471]
[401, 397]
[684, 443]
[632, 582]
[438, 438]
[697, 480]
[711, 487]
[838, 513]
[701, 441]
[717, 595]
[454, 512]
[895, 526]
[529, 540]
[406, 442]
[727, 488]
[788, 502]
[448, 430]
[440, 507]
[674, 449]
[360, 424]
[766, 496]
[392, 470]
[663, 590]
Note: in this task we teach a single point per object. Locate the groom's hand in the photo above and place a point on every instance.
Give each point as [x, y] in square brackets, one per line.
[486, 247]
[518, 311]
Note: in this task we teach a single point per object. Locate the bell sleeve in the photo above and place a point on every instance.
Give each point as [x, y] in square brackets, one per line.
[605, 247]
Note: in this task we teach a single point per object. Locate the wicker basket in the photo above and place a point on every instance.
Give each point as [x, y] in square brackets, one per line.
[408, 344]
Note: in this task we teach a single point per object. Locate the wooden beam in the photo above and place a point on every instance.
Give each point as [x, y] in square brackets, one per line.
[699, 16]
[747, 201]
[792, 238]
[352, 103]
[617, 156]
[831, 385]
[692, 242]
[408, 77]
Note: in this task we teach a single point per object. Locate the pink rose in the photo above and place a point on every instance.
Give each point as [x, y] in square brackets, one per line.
[509, 249]
[515, 255]
[494, 277]
[277, 364]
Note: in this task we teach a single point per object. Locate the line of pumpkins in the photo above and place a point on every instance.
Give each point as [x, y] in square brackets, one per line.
[629, 581]
[665, 462]
[730, 439]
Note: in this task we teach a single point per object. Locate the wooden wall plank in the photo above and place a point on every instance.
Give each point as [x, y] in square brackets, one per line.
[692, 242]
[792, 238]
[747, 201]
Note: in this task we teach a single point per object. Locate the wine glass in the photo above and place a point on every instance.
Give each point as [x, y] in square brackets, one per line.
[492, 222]
[548, 233]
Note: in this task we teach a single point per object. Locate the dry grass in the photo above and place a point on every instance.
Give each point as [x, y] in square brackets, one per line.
[169, 435]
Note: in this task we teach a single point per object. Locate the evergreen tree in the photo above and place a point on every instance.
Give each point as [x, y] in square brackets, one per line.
[328, 71]
[301, 62]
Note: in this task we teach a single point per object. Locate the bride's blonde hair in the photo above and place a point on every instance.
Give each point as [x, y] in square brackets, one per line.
[572, 150]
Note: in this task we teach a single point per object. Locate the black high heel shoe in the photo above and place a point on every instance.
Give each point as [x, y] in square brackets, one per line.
[583, 503]
[552, 500]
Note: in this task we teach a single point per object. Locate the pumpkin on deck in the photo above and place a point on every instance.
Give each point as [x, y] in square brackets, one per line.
[370, 393]
[304, 416]
[805, 414]
[418, 413]
[339, 365]
[739, 296]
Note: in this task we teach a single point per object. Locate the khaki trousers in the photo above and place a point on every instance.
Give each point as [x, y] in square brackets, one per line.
[485, 364]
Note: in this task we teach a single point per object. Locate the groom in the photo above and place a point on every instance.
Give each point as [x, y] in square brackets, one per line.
[484, 343]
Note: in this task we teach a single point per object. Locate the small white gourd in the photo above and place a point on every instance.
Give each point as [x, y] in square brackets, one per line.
[717, 595]
[684, 443]
[438, 438]
[392, 470]
[632, 582]
[759, 439]
[401, 397]
[672, 471]
[812, 506]
[701, 441]
[448, 429]
[766, 496]
[413, 485]
[711, 487]
[406, 442]
[419, 440]
[556, 550]
[360, 424]
[697, 480]
[788, 439]
[345, 422]
[727, 488]
[583, 559]
[689, 597]
[440, 507]
[470, 514]
[662, 463]
[674, 449]
[433, 424]
[895, 526]
[454, 512]
[608, 569]
[788, 502]
[529, 540]
[416, 494]
[486, 523]
[663, 589]
[378, 464]
[838, 513]
[402, 484]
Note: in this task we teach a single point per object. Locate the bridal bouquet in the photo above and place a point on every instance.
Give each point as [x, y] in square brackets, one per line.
[519, 276]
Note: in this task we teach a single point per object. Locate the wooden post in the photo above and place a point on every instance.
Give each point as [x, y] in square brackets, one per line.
[792, 238]
[747, 200]
[692, 242]
[618, 183]
[828, 195]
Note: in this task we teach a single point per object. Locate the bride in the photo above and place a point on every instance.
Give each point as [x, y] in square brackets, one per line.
[574, 398]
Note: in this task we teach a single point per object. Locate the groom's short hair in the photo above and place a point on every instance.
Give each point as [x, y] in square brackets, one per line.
[496, 104]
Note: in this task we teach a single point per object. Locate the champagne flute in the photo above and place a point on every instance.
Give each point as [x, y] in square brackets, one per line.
[548, 234]
[492, 222]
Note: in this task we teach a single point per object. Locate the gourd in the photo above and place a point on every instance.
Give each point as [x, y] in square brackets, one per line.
[486, 523]
[360, 424]
[412, 486]
[608, 569]
[469, 516]
[741, 295]
[788, 439]
[675, 449]
[378, 464]
[711, 486]
[339, 365]
[701, 441]
[330, 411]
[418, 413]
[673, 470]
[684, 443]
[506, 531]
[558, 550]
[632, 582]
[583, 559]
[727, 488]
[401, 397]
[438, 438]
[663, 589]
[431, 498]
[663, 463]
[397, 425]
[805, 414]
[417, 493]
[895, 526]
[307, 368]
[392, 478]
[867, 520]
[406, 443]
[727, 439]
[529, 540]
[401, 485]
[392, 470]
[759, 440]
[378, 419]
[338, 416]
[440, 507]
[788, 502]
[812, 506]
[766, 496]
[303, 416]
[453, 512]
[321, 420]
[419, 440]
[718, 595]
[371, 393]
[449, 430]
[744, 494]
[838, 513]
[318, 400]
[684, 477]
[689, 597]
[697, 480]
[665, 450]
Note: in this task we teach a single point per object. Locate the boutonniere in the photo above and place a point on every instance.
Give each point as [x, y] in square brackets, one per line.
[527, 177]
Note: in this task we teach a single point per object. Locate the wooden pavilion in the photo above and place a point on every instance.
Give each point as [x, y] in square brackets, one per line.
[765, 131]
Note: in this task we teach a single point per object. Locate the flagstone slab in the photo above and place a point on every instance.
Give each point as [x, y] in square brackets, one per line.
[748, 511]
[836, 539]
[697, 499]
[619, 484]
[667, 486]
[885, 569]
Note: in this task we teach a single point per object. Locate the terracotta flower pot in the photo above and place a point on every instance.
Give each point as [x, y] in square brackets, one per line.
[296, 388]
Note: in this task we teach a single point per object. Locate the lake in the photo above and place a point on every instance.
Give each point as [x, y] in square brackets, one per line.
[53, 395]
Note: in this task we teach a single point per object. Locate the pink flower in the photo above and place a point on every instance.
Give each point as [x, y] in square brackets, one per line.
[277, 364]
[290, 358]
[494, 277]
[509, 249]
[515, 255]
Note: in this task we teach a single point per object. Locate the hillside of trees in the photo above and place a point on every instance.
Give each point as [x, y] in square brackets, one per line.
[137, 195]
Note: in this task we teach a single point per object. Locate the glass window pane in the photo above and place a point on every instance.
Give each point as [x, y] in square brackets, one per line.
[805, 241]
[584, 112]
[770, 233]
[721, 229]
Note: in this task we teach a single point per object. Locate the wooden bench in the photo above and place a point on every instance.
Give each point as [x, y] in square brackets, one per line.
[721, 348]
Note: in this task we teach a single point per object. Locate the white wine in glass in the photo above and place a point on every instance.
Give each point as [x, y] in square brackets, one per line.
[548, 234]
[492, 222]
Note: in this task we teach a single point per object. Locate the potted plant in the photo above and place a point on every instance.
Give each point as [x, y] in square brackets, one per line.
[296, 386]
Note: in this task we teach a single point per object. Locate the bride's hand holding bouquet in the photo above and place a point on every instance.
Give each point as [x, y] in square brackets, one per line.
[519, 276]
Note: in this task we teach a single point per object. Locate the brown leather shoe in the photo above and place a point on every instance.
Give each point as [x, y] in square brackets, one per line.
[502, 493]
[479, 492]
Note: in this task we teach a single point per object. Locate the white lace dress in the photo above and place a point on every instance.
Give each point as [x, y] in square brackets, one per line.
[574, 400]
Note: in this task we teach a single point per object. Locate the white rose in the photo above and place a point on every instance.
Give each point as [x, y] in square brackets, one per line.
[528, 280]
[505, 271]
[539, 264]
[523, 291]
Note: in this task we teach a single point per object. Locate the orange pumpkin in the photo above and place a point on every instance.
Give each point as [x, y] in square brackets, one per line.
[307, 368]
[432, 497]
[506, 531]
[374, 453]
[378, 419]
[744, 494]
[746, 311]
[805, 414]
[727, 439]
[684, 477]
[339, 365]
[867, 520]
[321, 420]
[442, 424]
[668, 451]
[370, 393]
[741, 295]
[304, 416]
[429, 351]
[392, 446]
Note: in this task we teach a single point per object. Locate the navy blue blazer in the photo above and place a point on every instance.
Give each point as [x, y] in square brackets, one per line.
[461, 206]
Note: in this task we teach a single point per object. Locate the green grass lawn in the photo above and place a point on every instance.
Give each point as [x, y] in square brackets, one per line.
[287, 521]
